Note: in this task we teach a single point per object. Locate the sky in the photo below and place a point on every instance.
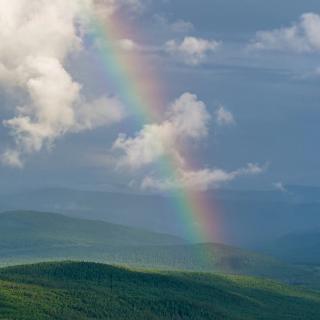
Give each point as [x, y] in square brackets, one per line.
[151, 96]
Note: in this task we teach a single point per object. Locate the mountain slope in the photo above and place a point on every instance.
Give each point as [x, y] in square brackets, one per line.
[32, 236]
[34, 231]
[246, 218]
[92, 291]
[27, 237]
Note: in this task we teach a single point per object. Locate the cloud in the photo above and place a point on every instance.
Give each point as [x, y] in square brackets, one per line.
[192, 50]
[202, 180]
[103, 111]
[12, 159]
[105, 8]
[302, 36]
[127, 44]
[224, 117]
[187, 120]
[279, 186]
[178, 26]
[136, 5]
[36, 38]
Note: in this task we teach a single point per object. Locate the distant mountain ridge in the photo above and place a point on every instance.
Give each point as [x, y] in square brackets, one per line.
[31, 230]
[38, 236]
[298, 247]
[246, 218]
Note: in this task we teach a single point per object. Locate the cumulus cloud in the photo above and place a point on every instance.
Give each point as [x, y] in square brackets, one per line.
[187, 120]
[36, 38]
[198, 179]
[192, 50]
[302, 36]
[224, 117]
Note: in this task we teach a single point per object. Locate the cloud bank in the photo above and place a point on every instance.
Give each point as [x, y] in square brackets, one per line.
[36, 38]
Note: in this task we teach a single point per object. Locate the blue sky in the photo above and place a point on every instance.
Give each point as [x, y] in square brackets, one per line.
[258, 64]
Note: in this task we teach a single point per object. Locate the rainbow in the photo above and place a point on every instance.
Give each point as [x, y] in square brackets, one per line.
[143, 93]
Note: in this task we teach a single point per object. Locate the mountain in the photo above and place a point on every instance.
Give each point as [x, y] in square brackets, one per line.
[246, 218]
[37, 236]
[299, 247]
[152, 212]
[211, 257]
[94, 291]
[35, 231]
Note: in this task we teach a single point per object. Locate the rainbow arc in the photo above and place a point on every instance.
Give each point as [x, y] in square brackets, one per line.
[139, 92]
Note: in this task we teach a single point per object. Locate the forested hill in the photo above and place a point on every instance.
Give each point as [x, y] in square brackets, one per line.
[27, 236]
[31, 230]
[83, 291]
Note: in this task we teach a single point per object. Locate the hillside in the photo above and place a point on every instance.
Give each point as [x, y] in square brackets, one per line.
[198, 257]
[93, 291]
[35, 231]
[211, 257]
[246, 218]
[27, 237]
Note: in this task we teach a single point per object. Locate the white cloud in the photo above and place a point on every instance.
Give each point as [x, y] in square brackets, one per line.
[12, 159]
[127, 44]
[36, 37]
[302, 36]
[202, 180]
[101, 112]
[224, 117]
[279, 186]
[187, 120]
[192, 50]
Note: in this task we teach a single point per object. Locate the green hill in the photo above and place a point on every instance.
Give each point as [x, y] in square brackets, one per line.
[211, 257]
[28, 237]
[95, 291]
[34, 231]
